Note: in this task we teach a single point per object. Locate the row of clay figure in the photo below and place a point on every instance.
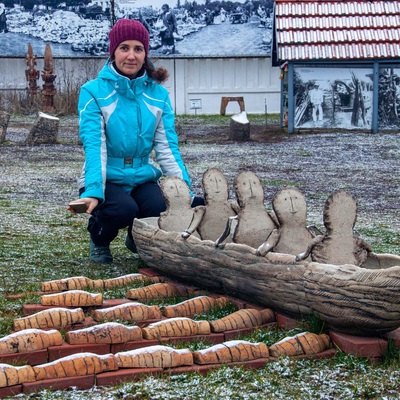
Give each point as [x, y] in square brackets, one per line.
[160, 356]
[247, 221]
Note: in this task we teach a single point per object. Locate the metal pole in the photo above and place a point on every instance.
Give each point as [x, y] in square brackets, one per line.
[266, 113]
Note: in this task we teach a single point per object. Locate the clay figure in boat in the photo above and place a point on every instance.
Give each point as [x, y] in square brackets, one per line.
[253, 224]
[218, 207]
[346, 285]
[179, 215]
[292, 236]
[339, 245]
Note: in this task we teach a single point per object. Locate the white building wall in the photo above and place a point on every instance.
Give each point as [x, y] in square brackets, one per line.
[192, 82]
[206, 81]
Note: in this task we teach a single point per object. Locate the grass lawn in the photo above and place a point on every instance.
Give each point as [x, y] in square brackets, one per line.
[41, 241]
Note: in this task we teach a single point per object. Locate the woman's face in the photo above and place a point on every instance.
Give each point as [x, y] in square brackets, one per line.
[129, 57]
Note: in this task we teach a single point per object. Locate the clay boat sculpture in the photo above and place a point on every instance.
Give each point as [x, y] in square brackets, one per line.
[360, 299]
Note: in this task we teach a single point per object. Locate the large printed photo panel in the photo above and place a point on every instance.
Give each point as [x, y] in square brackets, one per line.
[389, 98]
[333, 97]
[198, 28]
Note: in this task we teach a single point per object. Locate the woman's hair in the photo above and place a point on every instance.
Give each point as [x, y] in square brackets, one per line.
[159, 74]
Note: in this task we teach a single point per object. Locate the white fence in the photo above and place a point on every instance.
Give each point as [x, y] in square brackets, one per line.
[196, 85]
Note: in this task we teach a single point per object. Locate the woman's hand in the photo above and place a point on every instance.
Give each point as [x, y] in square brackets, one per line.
[91, 204]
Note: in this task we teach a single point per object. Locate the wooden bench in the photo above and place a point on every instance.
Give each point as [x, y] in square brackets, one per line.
[226, 100]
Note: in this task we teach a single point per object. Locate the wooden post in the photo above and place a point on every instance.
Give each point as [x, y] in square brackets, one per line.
[32, 76]
[48, 77]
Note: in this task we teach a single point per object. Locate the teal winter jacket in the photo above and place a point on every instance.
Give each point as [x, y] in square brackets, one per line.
[121, 121]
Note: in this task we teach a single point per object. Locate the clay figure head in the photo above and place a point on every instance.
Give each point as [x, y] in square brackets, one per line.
[290, 205]
[215, 185]
[248, 188]
[340, 212]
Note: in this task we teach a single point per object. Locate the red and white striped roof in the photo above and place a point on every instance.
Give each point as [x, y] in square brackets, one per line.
[337, 30]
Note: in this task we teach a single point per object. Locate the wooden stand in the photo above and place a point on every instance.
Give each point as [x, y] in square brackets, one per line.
[226, 100]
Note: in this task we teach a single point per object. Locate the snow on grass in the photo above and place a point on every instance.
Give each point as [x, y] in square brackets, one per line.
[41, 241]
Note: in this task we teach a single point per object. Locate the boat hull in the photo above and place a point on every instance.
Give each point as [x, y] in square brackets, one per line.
[347, 298]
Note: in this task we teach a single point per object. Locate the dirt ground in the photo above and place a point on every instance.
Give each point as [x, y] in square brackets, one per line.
[366, 165]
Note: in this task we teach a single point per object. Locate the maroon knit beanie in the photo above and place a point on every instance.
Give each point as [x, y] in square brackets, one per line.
[128, 29]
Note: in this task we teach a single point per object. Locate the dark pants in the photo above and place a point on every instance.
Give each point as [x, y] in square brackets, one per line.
[120, 208]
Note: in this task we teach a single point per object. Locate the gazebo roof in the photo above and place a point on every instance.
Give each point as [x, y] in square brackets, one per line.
[336, 30]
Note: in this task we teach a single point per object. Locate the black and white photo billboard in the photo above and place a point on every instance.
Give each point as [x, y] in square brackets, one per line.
[389, 98]
[80, 28]
[333, 97]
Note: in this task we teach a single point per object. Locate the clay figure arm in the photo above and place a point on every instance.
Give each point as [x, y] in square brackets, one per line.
[198, 213]
[269, 244]
[274, 217]
[226, 233]
[362, 250]
[314, 230]
[313, 243]
[235, 206]
[363, 244]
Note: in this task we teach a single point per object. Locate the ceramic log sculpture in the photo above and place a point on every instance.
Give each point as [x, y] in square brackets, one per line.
[232, 351]
[11, 375]
[239, 127]
[156, 291]
[305, 343]
[129, 279]
[217, 205]
[349, 287]
[346, 297]
[82, 283]
[245, 318]
[176, 327]
[155, 357]
[109, 332]
[72, 283]
[72, 298]
[127, 312]
[189, 308]
[56, 318]
[79, 364]
[30, 340]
